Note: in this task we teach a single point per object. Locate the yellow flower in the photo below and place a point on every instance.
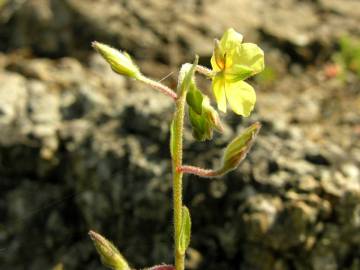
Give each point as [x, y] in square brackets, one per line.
[233, 62]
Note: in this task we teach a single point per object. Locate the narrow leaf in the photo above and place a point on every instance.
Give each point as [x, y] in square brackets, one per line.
[185, 231]
[186, 75]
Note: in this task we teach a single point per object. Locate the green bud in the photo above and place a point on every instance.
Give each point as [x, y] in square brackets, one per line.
[194, 98]
[109, 254]
[211, 115]
[120, 62]
[234, 153]
[237, 149]
[201, 128]
[204, 122]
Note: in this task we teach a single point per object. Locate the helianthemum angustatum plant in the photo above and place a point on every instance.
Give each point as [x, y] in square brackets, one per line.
[232, 63]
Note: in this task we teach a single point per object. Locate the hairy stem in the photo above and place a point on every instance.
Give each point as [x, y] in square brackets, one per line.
[199, 171]
[205, 71]
[177, 175]
[158, 86]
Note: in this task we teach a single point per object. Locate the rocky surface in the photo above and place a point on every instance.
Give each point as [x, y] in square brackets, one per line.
[168, 31]
[82, 148]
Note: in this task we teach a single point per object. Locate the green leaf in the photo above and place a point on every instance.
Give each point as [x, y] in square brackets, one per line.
[237, 149]
[185, 231]
[194, 98]
[187, 78]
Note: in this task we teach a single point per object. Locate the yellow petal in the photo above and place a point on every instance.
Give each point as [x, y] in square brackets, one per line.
[218, 85]
[249, 55]
[214, 65]
[230, 39]
[241, 97]
[218, 57]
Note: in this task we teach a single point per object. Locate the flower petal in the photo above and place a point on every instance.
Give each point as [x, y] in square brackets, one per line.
[248, 55]
[238, 73]
[230, 40]
[218, 57]
[218, 85]
[214, 64]
[241, 97]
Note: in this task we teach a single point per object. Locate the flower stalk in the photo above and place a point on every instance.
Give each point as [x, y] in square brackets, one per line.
[158, 86]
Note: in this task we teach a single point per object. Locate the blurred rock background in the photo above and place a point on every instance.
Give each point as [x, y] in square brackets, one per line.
[82, 148]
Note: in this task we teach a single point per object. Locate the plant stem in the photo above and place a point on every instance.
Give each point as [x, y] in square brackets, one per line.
[177, 175]
[205, 71]
[158, 86]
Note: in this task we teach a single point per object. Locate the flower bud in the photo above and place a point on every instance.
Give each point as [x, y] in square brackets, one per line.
[238, 148]
[120, 62]
[211, 115]
[109, 254]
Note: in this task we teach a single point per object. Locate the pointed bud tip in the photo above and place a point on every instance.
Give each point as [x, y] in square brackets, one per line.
[91, 234]
[94, 236]
[257, 124]
[95, 45]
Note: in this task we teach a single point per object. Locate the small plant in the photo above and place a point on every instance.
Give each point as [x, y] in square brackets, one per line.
[346, 60]
[232, 63]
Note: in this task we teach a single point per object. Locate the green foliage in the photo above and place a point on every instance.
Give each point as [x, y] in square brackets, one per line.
[185, 231]
[348, 57]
